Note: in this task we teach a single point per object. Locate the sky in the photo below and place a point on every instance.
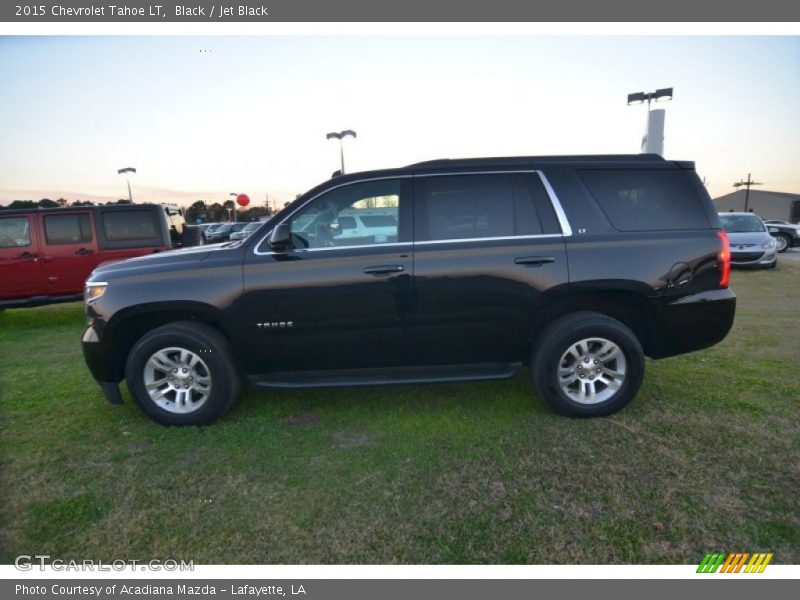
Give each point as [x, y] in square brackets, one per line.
[201, 117]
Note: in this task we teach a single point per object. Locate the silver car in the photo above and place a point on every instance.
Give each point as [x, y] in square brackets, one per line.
[751, 243]
[246, 231]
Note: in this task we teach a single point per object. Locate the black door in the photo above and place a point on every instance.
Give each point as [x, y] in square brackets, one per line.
[341, 297]
[487, 248]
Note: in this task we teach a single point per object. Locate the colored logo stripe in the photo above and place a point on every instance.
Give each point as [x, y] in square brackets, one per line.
[711, 563]
[735, 562]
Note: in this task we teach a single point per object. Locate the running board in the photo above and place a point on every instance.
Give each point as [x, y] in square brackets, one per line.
[386, 376]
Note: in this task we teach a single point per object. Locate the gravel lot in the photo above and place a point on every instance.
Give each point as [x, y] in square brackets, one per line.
[792, 254]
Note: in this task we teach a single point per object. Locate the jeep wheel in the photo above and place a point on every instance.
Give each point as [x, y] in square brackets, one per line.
[587, 364]
[782, 242]
[182, 374]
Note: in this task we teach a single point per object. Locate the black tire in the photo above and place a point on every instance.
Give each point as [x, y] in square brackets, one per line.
[786, 238]
[192, 236]
[559, 336]
[205, 342]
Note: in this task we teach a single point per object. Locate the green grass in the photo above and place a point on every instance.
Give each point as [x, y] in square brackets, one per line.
[707, 457]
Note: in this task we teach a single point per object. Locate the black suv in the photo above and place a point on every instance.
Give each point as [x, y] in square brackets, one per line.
[576, 266]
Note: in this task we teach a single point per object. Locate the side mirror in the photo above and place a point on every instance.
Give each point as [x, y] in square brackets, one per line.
[281, 237]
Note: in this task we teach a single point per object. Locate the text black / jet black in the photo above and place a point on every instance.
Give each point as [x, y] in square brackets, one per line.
[449, 270]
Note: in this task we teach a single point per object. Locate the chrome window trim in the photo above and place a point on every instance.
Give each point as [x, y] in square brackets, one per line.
[561, 216]
[422, 243]
[566, 230]
[381, 245]
[488, 239]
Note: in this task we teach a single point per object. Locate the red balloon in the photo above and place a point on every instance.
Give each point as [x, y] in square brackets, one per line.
[242, 199]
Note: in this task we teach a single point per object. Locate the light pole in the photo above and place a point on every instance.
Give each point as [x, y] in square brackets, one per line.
[746, 185]
[653, 140]
[339, 135]
[235, 195]
[127, 180]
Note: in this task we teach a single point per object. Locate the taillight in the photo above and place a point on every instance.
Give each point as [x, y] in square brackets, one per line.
[724, 258]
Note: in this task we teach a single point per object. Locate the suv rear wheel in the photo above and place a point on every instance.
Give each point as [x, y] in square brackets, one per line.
[182, 374]
[587, 364]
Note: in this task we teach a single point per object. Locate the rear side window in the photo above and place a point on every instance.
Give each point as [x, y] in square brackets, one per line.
[642, 200]
[128, 225]
[14, 232]
[67, 229]
[453, 207]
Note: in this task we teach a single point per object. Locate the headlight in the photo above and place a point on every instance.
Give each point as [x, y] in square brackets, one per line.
[768, 245]
[94, 290]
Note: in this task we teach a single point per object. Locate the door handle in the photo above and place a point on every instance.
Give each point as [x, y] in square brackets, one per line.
[84, 251]
[533, 261]
[27, 255]
[383, 269]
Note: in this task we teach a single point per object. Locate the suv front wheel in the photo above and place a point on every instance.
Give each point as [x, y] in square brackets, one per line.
[182, 374]
[587, 364]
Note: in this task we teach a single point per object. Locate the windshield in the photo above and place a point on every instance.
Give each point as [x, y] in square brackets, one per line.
[741, 223]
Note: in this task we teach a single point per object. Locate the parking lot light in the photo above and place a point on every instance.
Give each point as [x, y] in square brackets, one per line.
[653, 140]
[339, 135]
[127, 180]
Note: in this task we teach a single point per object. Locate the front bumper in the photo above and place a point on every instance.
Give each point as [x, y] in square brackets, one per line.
[756, 258]
[99, 358]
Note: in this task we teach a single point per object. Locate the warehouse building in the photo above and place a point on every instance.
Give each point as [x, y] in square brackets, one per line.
[766, 204]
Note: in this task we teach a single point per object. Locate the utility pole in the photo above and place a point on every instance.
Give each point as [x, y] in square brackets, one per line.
[747, 184]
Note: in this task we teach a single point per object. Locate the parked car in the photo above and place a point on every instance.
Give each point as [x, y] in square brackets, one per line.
[786, 235]
[577, 267]
[369, 226]
[245, 231]
[223, 232]
[751, 244]
[47, 254]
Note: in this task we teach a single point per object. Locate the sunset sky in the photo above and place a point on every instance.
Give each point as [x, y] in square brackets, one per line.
[200, 117]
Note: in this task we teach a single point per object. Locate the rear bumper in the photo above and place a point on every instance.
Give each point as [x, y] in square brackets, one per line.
[694, 322]
[39, 301]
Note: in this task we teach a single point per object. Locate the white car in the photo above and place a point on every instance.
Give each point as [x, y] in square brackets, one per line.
[378, 225]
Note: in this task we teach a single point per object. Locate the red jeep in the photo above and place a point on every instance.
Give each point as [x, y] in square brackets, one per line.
[47, 254]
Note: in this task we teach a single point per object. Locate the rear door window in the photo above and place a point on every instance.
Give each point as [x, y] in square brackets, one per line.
[646, 200]
[67, 229]
[129, 225]
[454, 207]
